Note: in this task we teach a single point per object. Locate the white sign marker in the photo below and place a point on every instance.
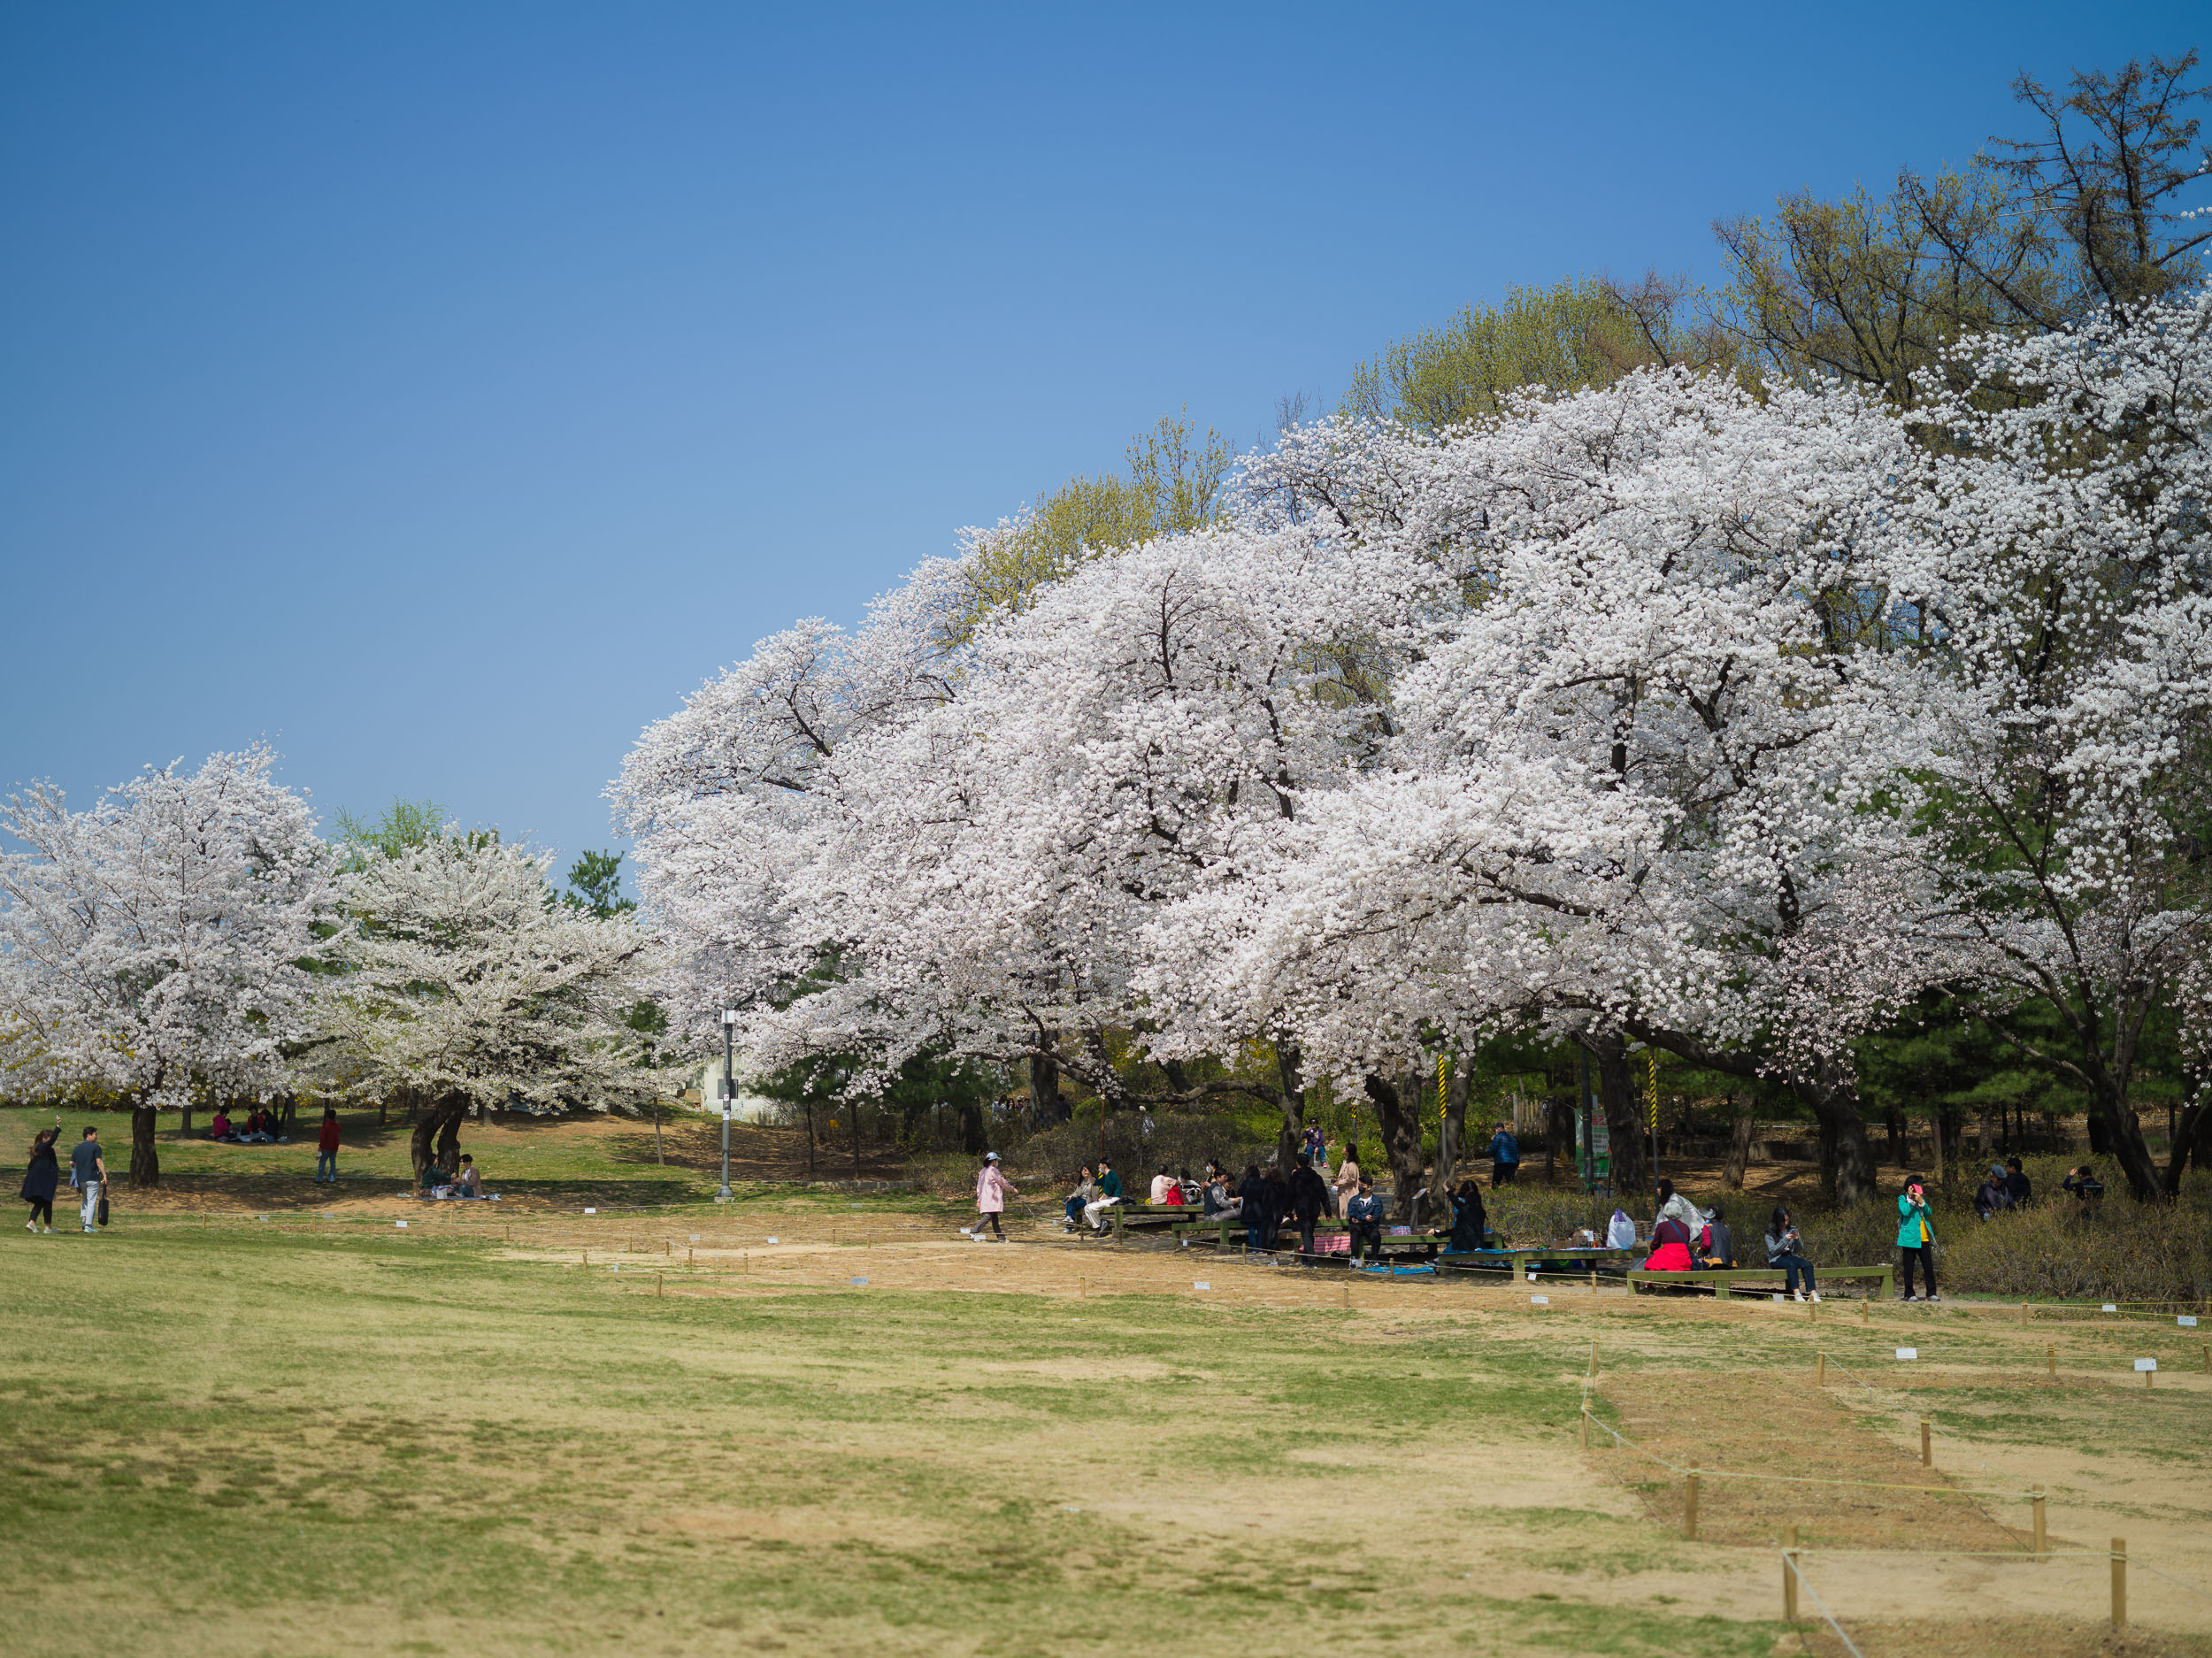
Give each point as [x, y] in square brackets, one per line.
[695, 1237]
[860, 1283]
[1539, 1300]
[399, 1222]
[591, 1211]
[1201, 1283]
[2109, 1308]
[772, 1240]
[1909, 1353]
[2147, 1364]
[2187, 1321]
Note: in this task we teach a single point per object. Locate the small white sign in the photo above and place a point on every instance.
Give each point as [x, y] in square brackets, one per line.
[695, 1237]
[2187, 1321]
[1909, 1353]
[591, 1211]
[2109, 1308]
[860, 1283]
[772, 1240]
[1539, 1300]
[2147, 1364]
[1201, 1283]
[615, 1269]
[399, 1222]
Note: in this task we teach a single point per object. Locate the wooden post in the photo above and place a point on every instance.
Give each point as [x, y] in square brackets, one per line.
[1866, 1307]
[1592, 1371]
[1689, 1508]
[2024, 1312]
[1594, 1290]
[658, 1287]
[1820, 1370]
[2050, 1358]
[1586, 1424]
[2042, 1544]
[1347, 1288]
[2119, 1583]
[1927, 1451]
[1082, 1289]
[1789, 1574]
[2148, 1376]
[586, 1258]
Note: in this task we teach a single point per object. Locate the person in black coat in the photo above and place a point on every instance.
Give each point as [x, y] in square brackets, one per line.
[1257, 1225]
[39, 1181]
[1309, 1195]
[1470, 1221]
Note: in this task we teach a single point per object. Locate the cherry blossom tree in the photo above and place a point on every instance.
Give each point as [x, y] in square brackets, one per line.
[2062, 572]
[152, 945]
[459, 979]
[1650, 780]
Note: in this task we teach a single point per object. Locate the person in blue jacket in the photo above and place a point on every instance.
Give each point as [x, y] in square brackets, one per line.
[1505, 1157]
[1915, 1239]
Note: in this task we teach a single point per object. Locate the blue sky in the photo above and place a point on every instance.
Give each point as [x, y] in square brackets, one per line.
[441, 391]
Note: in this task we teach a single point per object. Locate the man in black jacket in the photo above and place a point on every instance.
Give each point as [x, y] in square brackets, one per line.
[1309, 1195]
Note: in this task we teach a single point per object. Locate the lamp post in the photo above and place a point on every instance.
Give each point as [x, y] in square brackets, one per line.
[729, 1096]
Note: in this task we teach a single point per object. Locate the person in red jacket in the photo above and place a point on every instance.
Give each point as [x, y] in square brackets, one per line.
[327, 1149]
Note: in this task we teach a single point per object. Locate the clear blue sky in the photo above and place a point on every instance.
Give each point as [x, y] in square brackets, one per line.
[441, 391]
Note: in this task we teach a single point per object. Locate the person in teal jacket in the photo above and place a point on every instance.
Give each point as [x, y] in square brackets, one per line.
[1915, 1239]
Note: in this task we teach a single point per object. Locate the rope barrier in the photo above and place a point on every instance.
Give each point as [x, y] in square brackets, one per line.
[2137, 1560]
[1797, 1480]
[1789, 1564]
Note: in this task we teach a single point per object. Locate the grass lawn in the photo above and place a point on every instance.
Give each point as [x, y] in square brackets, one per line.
[298, 1437]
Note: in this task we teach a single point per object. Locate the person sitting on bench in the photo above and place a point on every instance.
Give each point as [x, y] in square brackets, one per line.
[1716, 1245]
[1086, 1189]
[1786, 1249]
[1108, 1196]
[470, 1184]
[1669, 1247]
[1469, 1224]
[1364, 1212]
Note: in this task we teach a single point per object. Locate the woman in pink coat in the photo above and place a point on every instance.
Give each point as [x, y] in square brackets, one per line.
[991, 1190]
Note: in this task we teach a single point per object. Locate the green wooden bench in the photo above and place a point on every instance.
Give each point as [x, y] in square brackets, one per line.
[1722, 1283]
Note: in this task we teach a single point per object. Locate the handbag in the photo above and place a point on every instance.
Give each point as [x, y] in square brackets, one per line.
[100, 1215]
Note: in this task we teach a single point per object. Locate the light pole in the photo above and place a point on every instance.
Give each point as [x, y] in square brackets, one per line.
[729, 1096]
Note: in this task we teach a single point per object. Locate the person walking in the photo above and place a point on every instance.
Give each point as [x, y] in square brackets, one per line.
[1786, 1249]
[1309, 1195]
[1505, 1157]
[991, 1189]
[326, 1149]
[91, 1171]
[1915, 1239]
[41, 1179]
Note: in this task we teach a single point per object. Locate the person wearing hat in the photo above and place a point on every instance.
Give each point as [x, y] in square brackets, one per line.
[1108, 1196]
[991, 1187]
[1993, 1194]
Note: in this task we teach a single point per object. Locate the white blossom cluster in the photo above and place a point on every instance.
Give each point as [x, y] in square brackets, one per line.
[1724, 719]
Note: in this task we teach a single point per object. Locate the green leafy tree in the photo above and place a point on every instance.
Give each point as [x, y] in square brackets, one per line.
[594, 884]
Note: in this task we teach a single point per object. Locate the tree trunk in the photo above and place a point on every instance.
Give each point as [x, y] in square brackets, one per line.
[657, 1158]
[289, 1115]
[145, 1156]
[1623, 1121]
[1894, 1124]
[2100, 1139]
[1290, 1134]
[1834, 1099]
[2192, 1143]
[1401, 1131]
[853, 1110]
[436, 1130]
[1451, 1132]
[806, 1106]
[2124, 1133]
[1047, 1104]
[1740, 1133]
[185, 1128]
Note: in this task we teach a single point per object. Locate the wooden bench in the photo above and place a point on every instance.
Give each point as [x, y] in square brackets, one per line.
[1722, 1282]
[1577, 1258]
